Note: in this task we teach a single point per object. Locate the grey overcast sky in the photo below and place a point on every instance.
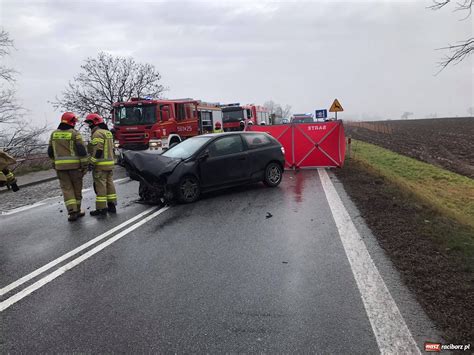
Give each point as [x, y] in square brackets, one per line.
[378, 58]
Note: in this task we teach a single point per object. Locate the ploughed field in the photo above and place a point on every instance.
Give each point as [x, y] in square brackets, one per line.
[446, 142]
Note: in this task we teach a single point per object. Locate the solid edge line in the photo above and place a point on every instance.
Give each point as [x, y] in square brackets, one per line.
[40, 283]
[73, 252]
[391, 331]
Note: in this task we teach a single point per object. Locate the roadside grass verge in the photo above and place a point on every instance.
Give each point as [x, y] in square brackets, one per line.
[432, 252]
[450, 194]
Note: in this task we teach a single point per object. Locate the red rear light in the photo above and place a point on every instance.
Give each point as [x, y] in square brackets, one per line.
[282, 150]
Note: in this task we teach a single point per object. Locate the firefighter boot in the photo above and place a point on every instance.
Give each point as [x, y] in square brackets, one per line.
[111, 207]
[101, 212]
[80, 212]
[72, 216]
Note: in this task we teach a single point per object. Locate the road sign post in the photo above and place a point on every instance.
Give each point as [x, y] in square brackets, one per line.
[336, 107]
[321, 114]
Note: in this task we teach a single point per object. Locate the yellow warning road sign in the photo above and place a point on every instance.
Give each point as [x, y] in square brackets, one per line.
[336, 106]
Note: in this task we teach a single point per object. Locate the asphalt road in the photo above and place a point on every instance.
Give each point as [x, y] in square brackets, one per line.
[253, 269]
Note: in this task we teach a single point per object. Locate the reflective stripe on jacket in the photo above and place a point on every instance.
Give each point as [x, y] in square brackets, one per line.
[102, 141]
[63, 143]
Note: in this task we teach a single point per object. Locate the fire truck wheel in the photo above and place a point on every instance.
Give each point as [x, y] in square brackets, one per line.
[188, 189]
[273, 174]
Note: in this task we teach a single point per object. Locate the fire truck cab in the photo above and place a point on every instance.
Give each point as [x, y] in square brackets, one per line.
[237, 117]
[153, 124]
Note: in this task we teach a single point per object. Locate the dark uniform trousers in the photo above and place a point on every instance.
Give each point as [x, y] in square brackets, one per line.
[71, 184]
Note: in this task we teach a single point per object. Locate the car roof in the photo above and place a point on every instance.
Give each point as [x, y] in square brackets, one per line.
[228, 133]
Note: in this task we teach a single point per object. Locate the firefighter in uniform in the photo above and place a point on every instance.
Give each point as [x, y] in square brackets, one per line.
[218, 128]
[69, 156]
[102, 164]
[6, 175]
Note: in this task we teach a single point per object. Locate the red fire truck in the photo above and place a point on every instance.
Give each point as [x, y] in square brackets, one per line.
[236, 117]
[143, 123]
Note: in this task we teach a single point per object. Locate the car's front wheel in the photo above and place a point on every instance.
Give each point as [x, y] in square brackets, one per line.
[273, 174]
[188, 189]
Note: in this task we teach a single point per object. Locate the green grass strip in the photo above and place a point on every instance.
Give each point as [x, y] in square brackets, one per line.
[449, 193]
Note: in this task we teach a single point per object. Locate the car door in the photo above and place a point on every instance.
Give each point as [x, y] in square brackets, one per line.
[260, 153]
[226, 162]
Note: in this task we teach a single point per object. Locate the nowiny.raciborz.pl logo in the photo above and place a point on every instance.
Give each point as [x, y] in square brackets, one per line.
[438, 347]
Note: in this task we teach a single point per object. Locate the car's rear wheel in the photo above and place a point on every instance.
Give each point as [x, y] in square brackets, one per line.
[273, 174]
[188, 189]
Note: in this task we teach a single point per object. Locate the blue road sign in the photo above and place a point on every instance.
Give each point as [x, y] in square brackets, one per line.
[321, 113]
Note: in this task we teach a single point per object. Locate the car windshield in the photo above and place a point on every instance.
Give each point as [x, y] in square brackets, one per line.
[233, 115]
[135, 115]
[186, 148]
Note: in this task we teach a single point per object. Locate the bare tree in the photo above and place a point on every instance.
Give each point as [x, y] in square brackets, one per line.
[8, 104]
[16, 134]
[277, 111]
[108, 79]
[406, 114]
[457, 52]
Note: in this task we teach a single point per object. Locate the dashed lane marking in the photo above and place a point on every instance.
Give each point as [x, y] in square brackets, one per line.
[61, 270]
[66, 256]
[391, 332]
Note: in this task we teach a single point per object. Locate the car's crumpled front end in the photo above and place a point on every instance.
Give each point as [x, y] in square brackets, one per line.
[152, 170]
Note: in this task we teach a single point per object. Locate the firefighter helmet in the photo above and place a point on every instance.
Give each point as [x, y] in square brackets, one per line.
[69, 118]
[94, 119]
[218, 125]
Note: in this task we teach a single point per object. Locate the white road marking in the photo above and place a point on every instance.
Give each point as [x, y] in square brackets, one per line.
[388, 325]
[43, 202]
[22, 208]
[61, 270]
[122, 179]
[66, 256]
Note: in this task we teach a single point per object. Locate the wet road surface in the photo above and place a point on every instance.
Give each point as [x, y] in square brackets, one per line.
[252, 269]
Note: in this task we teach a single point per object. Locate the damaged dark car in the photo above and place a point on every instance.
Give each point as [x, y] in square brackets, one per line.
[206, 163]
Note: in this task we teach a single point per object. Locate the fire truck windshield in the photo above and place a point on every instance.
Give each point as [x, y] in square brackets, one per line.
[232, 115]
[135, 115]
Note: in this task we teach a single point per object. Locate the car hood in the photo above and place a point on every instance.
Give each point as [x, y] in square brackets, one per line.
[149, 164]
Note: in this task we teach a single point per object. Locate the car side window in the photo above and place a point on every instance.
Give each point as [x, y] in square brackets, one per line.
[256, 140]
[225, 146]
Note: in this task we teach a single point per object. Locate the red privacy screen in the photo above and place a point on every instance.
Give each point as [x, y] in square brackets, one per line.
[309, 145]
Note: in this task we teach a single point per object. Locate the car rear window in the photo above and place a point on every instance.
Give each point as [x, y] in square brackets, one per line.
[256, 140]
